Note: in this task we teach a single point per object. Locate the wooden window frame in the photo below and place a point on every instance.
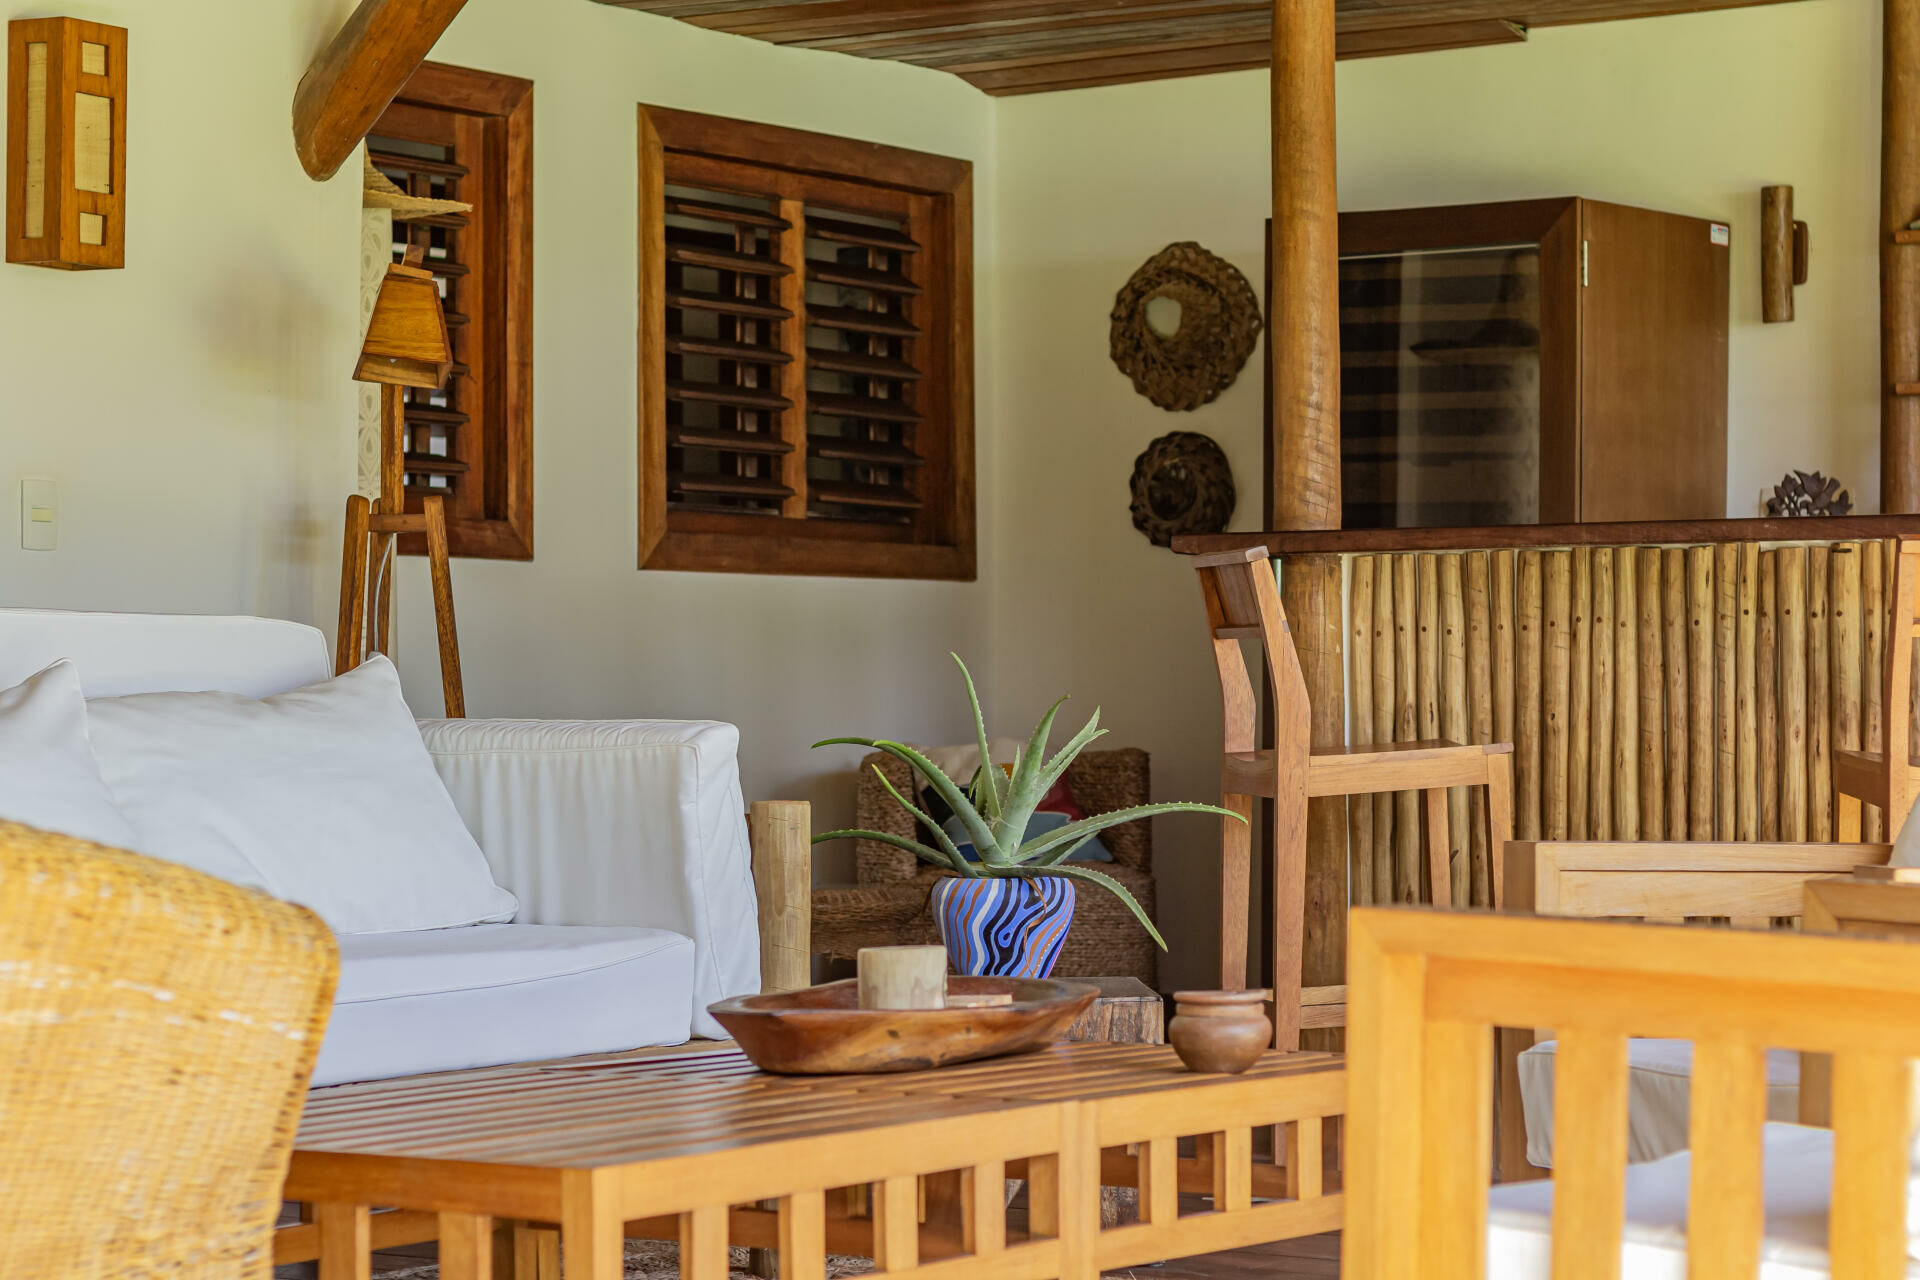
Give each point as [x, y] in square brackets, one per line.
[505, 532]
[944, 546]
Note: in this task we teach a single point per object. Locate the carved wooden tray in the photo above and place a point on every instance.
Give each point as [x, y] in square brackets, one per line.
[822, 1031]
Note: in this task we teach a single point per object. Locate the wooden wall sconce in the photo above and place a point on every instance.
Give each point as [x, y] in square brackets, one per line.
[66, 143]
[1783, 254]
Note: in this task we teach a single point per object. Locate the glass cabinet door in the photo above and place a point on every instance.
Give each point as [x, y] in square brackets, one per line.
[1440, 387]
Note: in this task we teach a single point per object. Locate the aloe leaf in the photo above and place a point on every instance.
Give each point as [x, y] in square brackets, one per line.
[1051, 771]
[952, 850]
[1048, 850]
[995, 801]
[913, 847]
[1024, 796]
[1114, 887]
[977, 828]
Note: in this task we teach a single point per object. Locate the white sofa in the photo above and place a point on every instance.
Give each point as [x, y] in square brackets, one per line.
[624, 840]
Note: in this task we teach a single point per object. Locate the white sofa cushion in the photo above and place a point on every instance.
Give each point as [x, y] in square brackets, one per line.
[48, 778]
[1798, 1190]
[447, 999]
[616, 822]
[1659, 1086]
[322, 795]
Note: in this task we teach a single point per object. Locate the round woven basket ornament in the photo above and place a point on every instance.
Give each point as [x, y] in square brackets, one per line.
[1181, 484]
[1219, 321]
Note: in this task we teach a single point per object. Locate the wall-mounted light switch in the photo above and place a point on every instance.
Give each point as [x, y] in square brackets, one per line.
[39, 513]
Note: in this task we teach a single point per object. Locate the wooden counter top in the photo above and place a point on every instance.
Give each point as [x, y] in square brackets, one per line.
[1615, 534]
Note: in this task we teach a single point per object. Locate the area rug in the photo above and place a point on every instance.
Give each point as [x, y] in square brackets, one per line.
[660, 1260]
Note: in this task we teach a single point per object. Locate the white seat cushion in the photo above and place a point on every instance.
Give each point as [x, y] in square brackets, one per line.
[1659, 1082]
[1798, 1166]
[447, 999]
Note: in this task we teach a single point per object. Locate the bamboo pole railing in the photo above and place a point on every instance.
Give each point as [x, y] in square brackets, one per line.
[1690, 692]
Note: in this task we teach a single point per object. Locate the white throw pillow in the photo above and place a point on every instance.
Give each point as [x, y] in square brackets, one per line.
[324, 795]
[48, 777]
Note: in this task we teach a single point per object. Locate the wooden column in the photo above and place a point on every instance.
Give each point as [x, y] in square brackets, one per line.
[1303, 483]
[1899, 263]
[1303, 325]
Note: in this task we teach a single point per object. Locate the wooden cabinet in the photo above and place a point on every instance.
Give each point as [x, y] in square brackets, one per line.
[1542, 361]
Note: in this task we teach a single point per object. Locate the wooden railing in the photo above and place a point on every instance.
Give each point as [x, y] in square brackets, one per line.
[1680, 681]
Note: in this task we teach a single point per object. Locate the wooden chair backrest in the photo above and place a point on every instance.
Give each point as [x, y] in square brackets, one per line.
[1243, 603]
[1750, 884]
[1428, 985]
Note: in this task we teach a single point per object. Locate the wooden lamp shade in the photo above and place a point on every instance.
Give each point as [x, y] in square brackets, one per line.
[66, 143]
[406, 342]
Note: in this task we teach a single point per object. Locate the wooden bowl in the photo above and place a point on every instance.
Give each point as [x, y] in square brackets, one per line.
[823, 1031]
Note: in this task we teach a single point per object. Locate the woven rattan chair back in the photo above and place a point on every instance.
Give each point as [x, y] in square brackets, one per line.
[160, 1029]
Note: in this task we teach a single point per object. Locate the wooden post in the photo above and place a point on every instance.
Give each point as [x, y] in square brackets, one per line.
[781, 833]
[1580, 722]
[1626, 696]
[1303, 327]
[1303, 484]
[1360, 681]
[1899, 263]
[1600, 792]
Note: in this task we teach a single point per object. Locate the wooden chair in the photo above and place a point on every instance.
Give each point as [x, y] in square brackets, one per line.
[1426, 988]
[1864, 908]
[1747, 885]
[1885, 778]
[1243, 603]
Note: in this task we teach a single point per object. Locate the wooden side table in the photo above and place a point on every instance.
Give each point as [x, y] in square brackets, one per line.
[1128, 1011]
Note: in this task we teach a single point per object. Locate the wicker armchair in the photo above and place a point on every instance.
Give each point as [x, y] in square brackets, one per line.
[161, 1027]
[888, 905]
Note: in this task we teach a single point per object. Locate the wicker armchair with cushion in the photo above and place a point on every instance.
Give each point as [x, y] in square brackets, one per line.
[888, 905]
[161, 1028]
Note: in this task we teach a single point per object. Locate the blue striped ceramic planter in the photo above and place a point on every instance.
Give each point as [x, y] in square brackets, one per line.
[1003, 927]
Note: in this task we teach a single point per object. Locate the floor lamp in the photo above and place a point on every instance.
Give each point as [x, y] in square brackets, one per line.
[406, 346]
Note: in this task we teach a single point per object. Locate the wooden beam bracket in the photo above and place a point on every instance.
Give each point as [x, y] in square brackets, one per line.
[357, 75]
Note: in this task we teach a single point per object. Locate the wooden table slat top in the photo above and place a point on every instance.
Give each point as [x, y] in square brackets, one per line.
[636, 1108]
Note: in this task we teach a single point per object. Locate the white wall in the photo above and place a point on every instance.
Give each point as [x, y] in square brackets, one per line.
[198, 411]
[1692, 114]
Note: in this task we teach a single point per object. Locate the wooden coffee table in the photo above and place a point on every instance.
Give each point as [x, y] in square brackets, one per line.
[682, 1144]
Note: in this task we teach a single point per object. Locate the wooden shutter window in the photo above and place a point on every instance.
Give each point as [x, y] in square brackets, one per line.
[805, 353]
[726, 352]
[861, 455]
[458, 134]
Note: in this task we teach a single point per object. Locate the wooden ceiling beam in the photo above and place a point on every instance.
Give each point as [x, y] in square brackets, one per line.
[357, 75]
[1032, 46]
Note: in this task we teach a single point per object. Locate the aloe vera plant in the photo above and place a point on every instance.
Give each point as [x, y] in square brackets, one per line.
[996, 808]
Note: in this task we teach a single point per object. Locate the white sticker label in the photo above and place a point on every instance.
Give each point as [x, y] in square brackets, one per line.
[1718, 232]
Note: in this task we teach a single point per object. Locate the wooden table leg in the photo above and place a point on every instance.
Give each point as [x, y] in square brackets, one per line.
[593, 1239]
[466, 1246]
[346, 1241]
[536, 1252]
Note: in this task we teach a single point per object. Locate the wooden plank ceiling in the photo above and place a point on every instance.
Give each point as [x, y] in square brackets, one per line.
[1031, 46]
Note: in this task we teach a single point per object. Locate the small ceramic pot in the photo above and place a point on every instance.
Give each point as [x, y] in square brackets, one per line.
[1220, 1032]
[1003, 926]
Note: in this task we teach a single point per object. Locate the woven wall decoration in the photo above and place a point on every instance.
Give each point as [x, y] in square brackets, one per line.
[1181, 484]
[1219, 321]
